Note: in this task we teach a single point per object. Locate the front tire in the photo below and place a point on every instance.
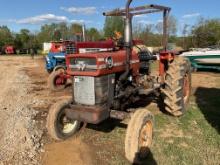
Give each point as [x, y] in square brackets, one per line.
[177, 86]
[139, 135]
[59, 126]
[56, 82]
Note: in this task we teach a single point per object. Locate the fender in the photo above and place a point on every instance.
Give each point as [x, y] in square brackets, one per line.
[59, 67]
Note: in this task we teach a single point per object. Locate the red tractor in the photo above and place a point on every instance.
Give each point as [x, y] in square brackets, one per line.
[105, 84]
[9, 49]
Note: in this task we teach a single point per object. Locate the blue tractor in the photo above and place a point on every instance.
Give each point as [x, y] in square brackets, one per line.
[55, 59]
[56, 63]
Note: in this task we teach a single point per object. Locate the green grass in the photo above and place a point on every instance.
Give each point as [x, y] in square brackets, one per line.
[191, 139]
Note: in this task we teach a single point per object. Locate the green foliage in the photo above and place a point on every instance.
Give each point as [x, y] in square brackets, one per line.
[203, 34]
[172, 26]
[6, 37]
[151, 34]
[93, 34]
[206, 33]
[46, 33]
[75, 28]
[17, 41]
[24, 37]
[63, 30]
[113, 24]
[146, 34]
[25, 40]
[56, 32]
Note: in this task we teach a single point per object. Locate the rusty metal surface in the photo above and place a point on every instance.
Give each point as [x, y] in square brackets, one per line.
[121, 115]
[165, 27]
[136, 10]
[148, 91]
[88, 114]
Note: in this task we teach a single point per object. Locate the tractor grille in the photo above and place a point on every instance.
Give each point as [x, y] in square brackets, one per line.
[93, 90]
[83, 64]
[70, 49]
[84, 90]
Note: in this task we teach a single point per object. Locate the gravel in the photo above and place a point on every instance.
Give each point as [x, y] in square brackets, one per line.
[20, 136]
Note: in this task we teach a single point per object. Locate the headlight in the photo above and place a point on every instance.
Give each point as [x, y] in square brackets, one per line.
[47, 59]
[109, 62]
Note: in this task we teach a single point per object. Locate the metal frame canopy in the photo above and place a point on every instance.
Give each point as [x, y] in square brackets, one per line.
[141, 10]
[146, 9]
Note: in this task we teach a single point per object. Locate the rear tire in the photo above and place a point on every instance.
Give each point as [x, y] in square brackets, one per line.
[58, 125]
[139, 135]
[177, 86]
[55, 82]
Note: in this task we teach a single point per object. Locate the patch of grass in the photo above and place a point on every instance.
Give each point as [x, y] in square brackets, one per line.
[191, 139]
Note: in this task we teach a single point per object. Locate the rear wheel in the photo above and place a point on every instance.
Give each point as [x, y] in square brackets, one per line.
[59, 126]
[177, 86]
[139, 135]
[57, 80]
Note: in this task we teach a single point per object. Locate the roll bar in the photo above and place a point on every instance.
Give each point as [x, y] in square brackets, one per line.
[146, 9]
[141, 10]
[129, 13]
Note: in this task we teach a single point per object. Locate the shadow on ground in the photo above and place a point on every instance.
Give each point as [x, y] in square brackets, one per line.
[107, 125]
[208, 101]
[208, 70]
[148, 160]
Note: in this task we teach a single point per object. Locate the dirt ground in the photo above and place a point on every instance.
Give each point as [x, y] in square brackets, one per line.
[24, 102]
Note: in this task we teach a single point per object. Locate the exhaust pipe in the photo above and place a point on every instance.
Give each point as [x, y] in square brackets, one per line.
[127, 40]
[84, 32]
[128, 26]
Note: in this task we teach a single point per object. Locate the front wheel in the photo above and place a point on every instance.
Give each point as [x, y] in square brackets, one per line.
[59, 126]
[139, 135]
[57, 80]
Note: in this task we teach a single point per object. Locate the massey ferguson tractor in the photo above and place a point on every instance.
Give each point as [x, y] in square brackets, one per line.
[106, 83]
[55, 60]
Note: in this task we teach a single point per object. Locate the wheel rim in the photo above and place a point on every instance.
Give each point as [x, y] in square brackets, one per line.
[145, 139]
[59, 80]
[186, 88]
[66, 125]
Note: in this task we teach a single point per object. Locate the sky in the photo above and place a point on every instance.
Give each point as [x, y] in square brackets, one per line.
[31, 14]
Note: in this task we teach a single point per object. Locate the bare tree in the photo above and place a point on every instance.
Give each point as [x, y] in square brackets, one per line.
[172, 25]
[184, 33]
[159, 27]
